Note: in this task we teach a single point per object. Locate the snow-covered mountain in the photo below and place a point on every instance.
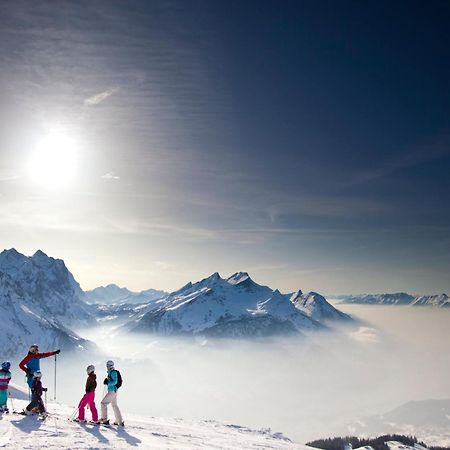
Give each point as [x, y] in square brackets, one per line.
[233, 307]
[400, 298]
[56, 432]
[39, 302]
[112, 294]
[23, 323]
[51, 289]
[316, 307]
[441, 301]
[428, 420]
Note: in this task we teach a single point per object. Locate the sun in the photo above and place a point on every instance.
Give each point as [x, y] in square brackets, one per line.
[53, 163]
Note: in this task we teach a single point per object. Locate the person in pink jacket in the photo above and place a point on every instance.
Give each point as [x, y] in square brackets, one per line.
[89, 397]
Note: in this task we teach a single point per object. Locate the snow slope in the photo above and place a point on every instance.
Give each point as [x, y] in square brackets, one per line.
[233, 307]
[57, 432]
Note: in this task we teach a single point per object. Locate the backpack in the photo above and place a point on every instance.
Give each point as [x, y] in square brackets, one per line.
[119, 379]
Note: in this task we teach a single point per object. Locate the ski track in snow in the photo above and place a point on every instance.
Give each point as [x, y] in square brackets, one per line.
[57, 432]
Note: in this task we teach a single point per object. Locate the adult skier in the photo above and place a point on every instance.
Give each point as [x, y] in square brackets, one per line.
[89, 397]
[31, 362]
[5, 377]
[112, 381]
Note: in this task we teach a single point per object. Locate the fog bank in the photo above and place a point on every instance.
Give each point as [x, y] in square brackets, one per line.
[307, 387]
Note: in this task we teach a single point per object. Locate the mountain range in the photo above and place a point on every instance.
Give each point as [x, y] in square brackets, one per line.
[41, 301]
[428, 420]
[235, 307]
[399, 298]
[113, 294]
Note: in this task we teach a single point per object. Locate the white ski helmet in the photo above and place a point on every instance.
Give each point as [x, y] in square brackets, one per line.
[90, 369]
[37, 374]
[110, 364]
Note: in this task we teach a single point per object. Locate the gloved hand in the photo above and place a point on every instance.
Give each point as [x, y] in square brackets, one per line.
[57, 352]
[45, 389]
[105, 381]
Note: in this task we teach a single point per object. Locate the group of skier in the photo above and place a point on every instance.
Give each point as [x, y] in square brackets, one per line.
[31, 366]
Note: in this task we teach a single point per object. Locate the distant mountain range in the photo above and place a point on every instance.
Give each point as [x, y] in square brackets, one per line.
[112, 294]
[429, 420]
[400, 298]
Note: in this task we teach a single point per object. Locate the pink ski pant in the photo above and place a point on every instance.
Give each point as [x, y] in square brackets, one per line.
[88, 399]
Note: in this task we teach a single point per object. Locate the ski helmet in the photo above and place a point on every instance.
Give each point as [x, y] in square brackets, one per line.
[6, 365]
[37, 374]
[109, 364]
[90, 369]
[34, 348]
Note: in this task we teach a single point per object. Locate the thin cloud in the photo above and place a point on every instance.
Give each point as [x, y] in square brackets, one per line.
[98, 98]
[415, 156]
[111, 176]
[366, 335]
[8, 177]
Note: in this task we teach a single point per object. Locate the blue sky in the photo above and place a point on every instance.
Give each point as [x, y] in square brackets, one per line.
[305, 142]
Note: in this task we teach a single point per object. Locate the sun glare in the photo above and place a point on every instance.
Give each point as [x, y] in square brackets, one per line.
[53, 163]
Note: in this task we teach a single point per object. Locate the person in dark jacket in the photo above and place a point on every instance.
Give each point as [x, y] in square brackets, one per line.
[89, 397]
[36, 405]
[31, 362]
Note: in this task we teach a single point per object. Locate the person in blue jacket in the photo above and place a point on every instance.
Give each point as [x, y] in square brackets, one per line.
[111, 396]
[31, 362]
[5, 377]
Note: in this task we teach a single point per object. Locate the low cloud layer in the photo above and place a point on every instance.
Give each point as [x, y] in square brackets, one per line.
[307, 387]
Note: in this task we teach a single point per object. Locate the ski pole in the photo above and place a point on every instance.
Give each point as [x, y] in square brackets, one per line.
[45, 392]
[54, 392]
[72, 416]
[11, 399]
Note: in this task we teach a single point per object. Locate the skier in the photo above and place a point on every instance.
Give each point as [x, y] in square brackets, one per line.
[112, 381]
[31, 363]
[5, 377]
[89, 397]
[36, 404]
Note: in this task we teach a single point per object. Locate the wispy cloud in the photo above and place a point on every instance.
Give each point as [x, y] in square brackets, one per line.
[366, 335]
[100, 97]
[8, 177]
[111, 176]
[415, 156]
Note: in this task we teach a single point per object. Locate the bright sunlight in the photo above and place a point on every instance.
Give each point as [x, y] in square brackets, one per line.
[53, 164]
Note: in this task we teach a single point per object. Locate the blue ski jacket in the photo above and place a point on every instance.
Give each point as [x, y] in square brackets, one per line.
[112, 380]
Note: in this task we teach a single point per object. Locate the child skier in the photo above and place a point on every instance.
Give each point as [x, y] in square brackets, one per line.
[5, 377]
[36, 405]
[89, 397]
[112, 381]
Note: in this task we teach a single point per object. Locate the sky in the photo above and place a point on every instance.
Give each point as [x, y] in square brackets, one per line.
[149, 143]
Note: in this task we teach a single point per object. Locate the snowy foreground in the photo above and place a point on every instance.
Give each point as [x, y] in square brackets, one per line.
[57, 432]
